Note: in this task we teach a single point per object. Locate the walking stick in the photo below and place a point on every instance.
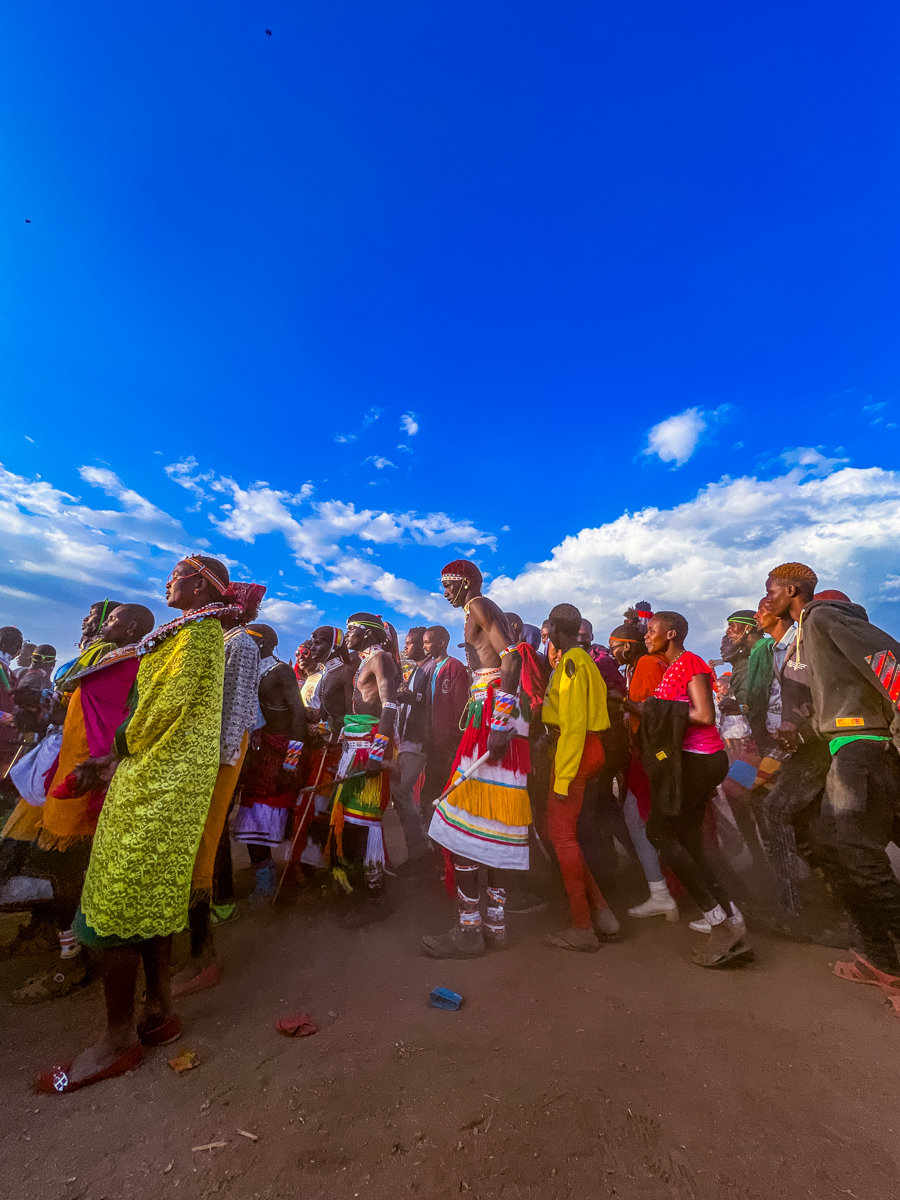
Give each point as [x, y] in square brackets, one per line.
[311, 790]
[15, 759]
[466, 775]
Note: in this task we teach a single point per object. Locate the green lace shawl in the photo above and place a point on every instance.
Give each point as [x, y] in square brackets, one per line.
[139, 880]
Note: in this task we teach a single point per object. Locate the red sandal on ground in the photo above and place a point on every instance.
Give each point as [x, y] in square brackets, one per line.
[56, 1080]
[862, 971]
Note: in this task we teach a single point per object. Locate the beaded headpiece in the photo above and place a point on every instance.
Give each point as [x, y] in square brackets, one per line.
[208, 575]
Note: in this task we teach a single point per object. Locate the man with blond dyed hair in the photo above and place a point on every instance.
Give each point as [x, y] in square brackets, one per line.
[849, 667]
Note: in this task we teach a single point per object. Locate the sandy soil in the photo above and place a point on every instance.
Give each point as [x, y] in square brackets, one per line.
[626, 1073]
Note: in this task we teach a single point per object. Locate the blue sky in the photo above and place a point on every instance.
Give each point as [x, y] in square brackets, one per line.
[605, 295]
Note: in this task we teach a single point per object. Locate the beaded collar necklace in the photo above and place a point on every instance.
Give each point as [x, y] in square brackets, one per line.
[155, 639]
[364, 656]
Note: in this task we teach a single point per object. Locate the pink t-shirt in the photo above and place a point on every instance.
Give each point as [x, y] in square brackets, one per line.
[698, 739]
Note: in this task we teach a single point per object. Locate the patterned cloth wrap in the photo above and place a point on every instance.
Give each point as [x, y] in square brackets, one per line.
[269, 791]
[490, 812]
[138, 883]
[359, 801]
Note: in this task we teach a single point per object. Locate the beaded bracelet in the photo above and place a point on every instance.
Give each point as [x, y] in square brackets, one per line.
[379, 744]
[292, 758]
[504, 705]
[389, 704]
[509, 650]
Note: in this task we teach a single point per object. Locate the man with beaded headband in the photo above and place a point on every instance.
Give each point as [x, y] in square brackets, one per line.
[367, 742]
[485, 819]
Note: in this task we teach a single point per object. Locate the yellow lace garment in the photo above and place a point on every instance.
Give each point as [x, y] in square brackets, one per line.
[139, 880]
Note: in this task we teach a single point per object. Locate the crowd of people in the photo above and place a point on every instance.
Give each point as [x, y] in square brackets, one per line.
[132, 770]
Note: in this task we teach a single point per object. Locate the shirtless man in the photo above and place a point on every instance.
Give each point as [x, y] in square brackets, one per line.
[269, 792]
[485, 819]
[367, 754]
[334, 694]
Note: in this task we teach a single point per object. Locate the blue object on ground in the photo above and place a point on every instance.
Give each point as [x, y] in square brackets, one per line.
[743, 773]
[444, 998]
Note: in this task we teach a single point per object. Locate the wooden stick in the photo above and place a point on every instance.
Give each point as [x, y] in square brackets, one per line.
[299, 830]
[462, 779]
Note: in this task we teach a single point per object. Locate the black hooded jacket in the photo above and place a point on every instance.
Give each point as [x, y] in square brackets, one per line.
[851, 665]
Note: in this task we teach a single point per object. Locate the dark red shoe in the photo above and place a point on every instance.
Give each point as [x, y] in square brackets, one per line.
[56, 1080]
[160, 1035]
[209, 977]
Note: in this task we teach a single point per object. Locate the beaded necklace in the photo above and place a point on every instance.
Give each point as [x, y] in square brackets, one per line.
[155, 639]
[118, 655]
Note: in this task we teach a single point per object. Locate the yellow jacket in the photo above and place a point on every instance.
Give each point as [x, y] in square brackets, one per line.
[576, 702]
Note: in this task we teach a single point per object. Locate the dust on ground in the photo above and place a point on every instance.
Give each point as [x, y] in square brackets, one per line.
[628, 1073]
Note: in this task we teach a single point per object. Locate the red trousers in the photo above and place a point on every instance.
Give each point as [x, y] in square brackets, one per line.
[562, 825]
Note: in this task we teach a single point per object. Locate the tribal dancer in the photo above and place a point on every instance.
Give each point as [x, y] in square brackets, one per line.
[138, 884]
[239, 715]
[96, 704]
[92, 645]
[270, 779]
[326, 706]
[485, 819]
[11, 642]
[367, 753]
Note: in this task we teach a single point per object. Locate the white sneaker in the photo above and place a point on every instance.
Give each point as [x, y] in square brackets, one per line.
[656, 906]
[737, 920]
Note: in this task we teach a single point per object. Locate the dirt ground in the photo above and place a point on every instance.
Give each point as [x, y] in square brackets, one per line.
[626, 1073]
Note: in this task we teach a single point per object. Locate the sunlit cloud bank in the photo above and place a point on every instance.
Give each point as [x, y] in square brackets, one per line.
[712, 554]
[703, 557]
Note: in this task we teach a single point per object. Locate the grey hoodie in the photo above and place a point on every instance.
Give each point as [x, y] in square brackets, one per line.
[851, 665]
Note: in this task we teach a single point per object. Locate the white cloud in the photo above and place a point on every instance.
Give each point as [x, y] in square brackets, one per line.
[811, 460]
[409, 424]
[368, 420]
[355, 576]
[83, 551]
[675, 439]
[18, 594]
[55, 547]
[290, 617]
[713, 553]
[186, 475]
[45, 531]
[380, 462]
[316, 538]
